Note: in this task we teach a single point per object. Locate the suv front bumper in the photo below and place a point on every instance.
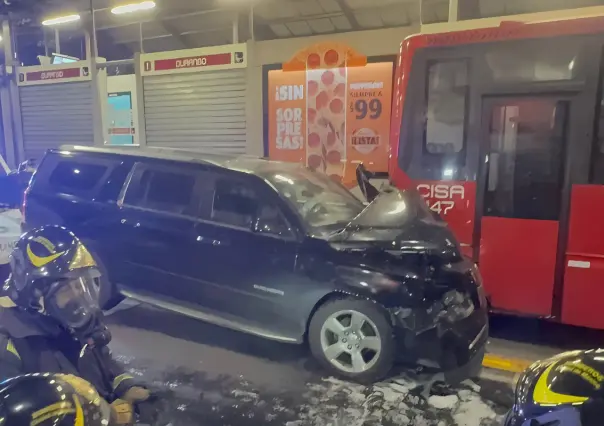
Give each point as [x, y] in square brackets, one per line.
[455, 349]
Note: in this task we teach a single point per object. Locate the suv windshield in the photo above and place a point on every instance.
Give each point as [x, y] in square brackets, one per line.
[318, 199]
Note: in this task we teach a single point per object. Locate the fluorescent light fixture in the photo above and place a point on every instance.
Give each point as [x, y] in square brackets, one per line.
[133, 7]
[61, 20]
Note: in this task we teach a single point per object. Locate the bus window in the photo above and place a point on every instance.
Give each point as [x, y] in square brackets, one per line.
[526, 139]
[544, 60]
[447, 97]
[597, 156]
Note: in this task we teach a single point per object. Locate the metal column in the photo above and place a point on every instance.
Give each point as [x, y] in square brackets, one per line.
[57, 40]
[98, 101]
[453, 10]
[5, 97]
[236, 28]
[251, 22]
[140, 100]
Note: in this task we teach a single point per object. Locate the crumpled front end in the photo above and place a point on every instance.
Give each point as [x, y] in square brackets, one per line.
[449, 333]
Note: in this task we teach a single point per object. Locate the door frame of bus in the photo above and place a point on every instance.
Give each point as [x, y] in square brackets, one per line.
[567, 91]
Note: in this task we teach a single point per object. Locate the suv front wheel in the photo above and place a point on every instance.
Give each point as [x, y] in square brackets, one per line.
[353, 339]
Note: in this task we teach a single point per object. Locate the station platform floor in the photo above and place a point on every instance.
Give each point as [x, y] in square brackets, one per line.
[213, 376]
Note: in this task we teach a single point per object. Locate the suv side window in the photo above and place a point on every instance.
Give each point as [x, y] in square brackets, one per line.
[234, 204]
[74, 177]
[237, 204]
[161, 189]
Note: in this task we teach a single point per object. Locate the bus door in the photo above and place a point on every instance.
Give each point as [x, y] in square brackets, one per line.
[583, 287]
[520, 197]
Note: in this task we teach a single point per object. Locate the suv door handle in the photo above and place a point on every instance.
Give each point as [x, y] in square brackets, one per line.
[210, 241]
[136, 225]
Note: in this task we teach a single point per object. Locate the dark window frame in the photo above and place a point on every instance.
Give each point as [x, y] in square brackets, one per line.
[263, 192]
[596, 160]
[547, 213]
[133, 182]
[83, 160]
[461, 153]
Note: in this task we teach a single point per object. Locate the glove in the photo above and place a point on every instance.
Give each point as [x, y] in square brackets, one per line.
[145, 404]
[122, 413]
[136, 394]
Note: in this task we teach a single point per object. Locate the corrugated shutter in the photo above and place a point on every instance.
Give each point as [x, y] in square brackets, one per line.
[54, 115]
[204, 111]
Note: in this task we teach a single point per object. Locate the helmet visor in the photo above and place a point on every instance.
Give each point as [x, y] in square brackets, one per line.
[74, 301]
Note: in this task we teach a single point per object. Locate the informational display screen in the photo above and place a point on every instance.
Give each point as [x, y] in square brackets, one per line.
[121, 125]
[57, 59]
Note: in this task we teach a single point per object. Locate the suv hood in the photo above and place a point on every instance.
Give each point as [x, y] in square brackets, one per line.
[398, 221]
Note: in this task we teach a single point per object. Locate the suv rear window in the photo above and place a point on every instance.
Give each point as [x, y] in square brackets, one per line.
[73, 177]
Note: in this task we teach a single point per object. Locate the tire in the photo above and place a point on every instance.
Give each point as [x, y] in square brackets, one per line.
[326, 344]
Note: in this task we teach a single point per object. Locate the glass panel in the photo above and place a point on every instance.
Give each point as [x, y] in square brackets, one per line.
[533, 61]
[162, 191]
[234, 204]
[525, 163]
[74, 177]
[446, 107]
[597, 156]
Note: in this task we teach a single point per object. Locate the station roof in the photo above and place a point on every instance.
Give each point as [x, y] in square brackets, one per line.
[179, 24]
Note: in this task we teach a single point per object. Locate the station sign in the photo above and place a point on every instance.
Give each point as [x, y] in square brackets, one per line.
[194, 60]
[48, 74]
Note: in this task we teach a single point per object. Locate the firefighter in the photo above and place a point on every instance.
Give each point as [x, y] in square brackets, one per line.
[58, 400]
[566, 390]
[50, 319]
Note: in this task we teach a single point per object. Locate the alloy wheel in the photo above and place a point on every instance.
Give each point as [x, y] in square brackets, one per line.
[350, 341]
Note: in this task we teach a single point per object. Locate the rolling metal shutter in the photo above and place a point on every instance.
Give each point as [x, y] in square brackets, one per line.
[196, 99]
[204, 111]
[56, 114]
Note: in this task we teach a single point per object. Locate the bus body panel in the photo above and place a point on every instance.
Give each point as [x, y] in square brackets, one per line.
[584, 263]
[543, 266]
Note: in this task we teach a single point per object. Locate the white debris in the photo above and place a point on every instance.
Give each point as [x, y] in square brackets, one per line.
[397, 402]
[442, 402]
[469, 383]
[473, 412]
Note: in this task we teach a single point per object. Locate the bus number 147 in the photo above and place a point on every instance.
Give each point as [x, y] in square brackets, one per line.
[441, 198]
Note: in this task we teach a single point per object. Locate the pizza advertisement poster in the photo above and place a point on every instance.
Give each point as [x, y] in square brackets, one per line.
[329, 116]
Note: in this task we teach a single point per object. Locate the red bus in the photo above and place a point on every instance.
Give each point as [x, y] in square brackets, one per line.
[502, 131]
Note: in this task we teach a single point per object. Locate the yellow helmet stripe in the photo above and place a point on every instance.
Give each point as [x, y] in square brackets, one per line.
[79, 420]
[52, 414]
[39, 261]
[10, 346]
[544, 395]
[52, 407]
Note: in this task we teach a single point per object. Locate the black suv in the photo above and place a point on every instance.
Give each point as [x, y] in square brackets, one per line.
[271, 249]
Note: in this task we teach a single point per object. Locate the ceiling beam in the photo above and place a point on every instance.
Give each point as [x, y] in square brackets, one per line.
[349, 13]
[181, 34]
[170, 28]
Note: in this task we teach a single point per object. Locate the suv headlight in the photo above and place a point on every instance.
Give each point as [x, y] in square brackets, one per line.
[456, 306]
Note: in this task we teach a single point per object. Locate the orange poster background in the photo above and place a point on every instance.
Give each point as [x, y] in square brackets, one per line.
[368, 138]
[284, 90]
